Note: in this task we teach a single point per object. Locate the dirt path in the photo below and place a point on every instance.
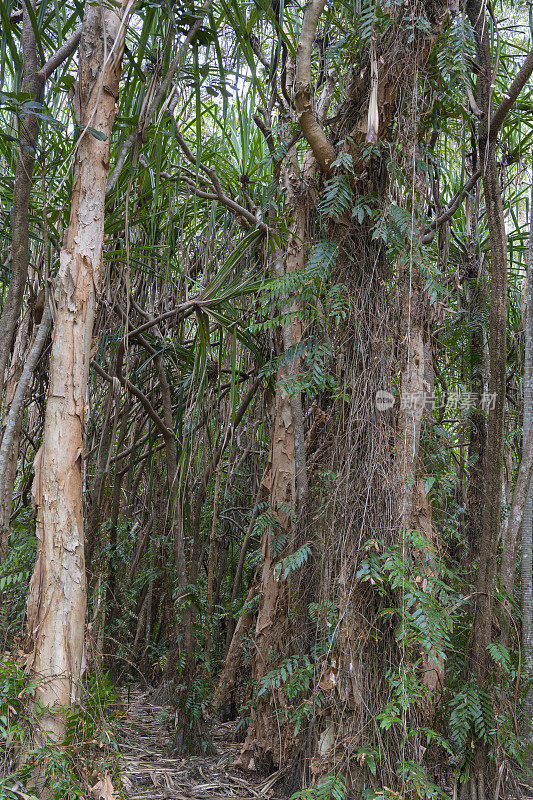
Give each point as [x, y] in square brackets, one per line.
[149, 771]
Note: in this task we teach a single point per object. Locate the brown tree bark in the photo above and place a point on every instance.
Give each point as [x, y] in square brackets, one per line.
[285, 488]
[482, 629]
[527, 522]
[497, 353]
[266, 745]
[57, 593]
[225, 697]
[413, 342]
[477, 438]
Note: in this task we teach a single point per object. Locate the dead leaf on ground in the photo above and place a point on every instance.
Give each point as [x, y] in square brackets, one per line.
[103, 790]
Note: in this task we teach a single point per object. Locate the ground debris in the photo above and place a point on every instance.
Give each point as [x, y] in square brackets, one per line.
[148, 769]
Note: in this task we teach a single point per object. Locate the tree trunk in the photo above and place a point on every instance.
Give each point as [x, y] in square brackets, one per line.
[28, 130]
[13, 426]
[225, 697]
[285, 487]
[57, 592]
[527, 522]
[477, 437]
[482, 631]
[497, 355]
[353, 489]
[414, 340]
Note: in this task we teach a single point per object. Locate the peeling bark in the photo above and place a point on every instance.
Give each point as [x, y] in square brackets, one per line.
[412, 390]
[57, 593]
[285, 486]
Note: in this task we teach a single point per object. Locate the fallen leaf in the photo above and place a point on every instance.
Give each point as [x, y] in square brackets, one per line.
[103, 790]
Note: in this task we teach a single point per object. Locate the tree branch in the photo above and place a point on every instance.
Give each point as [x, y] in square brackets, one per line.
[60, 55]
[450, 209]
[152, 108]
[224, 200]
[510, 97]
[213, 177]
[17, 404]
[136, 393]
[498, 118]
[323, 150]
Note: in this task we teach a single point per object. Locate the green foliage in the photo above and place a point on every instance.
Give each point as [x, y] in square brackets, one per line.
[332, 787]
[337, 197]
[93, 720]
[15, 572]
[293, 561]
[293, 676]
[90, 743]
[424, 621]
[16, 691]
[12, 578]
[471, 723]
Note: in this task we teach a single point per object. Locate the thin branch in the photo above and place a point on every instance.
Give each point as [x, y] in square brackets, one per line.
[267, 133]
[224, 200]
[213, 177]
[136, 393]
[160, 94]
[451, 208]
[510, 97]
[17, 405]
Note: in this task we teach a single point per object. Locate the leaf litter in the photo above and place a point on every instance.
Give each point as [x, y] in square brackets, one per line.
[149, 770]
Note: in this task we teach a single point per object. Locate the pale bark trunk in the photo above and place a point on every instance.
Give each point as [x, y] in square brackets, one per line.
[511, 532]
[57, 593]
[527, 522]
[414, 508]
[412, 391]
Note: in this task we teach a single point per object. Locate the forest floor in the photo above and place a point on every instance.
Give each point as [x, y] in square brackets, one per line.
[150, 771]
